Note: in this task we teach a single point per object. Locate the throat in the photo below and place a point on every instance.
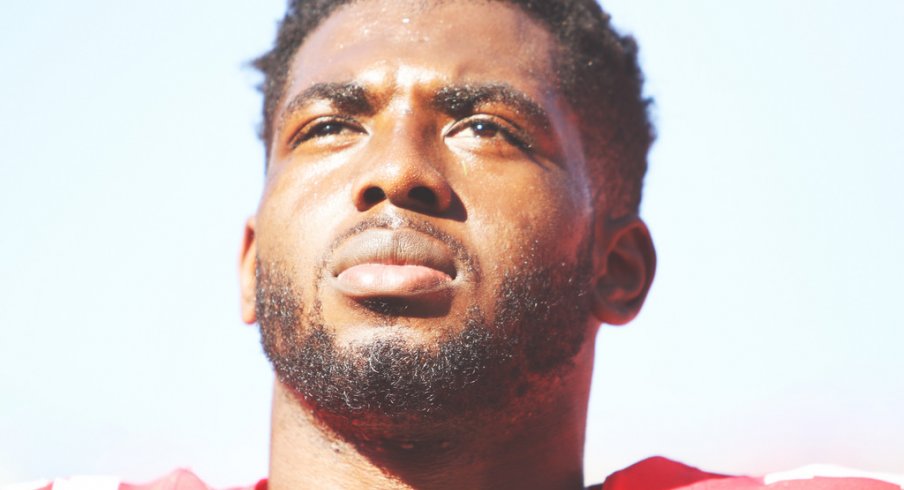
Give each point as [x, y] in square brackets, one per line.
[540, 447]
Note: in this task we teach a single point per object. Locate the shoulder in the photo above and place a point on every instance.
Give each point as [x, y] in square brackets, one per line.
[659, 473]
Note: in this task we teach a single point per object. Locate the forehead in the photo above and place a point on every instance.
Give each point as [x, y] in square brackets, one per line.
[410, 43]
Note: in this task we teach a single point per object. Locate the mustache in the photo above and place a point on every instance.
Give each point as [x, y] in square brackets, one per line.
[467, 260]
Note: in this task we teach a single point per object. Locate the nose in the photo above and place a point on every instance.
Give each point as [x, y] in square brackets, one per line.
[406, 178]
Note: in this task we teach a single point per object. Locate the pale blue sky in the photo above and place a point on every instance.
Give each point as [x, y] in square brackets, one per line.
[772, 337]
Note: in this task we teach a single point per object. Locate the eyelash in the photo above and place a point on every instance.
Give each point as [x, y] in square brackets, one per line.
[511, 133]
[313, 129]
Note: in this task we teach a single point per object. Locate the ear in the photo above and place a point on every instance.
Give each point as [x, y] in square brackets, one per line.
[248, 272]
[624, 268]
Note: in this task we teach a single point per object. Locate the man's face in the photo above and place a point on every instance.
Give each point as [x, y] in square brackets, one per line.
[426, 196]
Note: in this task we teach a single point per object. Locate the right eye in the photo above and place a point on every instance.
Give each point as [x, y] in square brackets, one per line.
[325, 128]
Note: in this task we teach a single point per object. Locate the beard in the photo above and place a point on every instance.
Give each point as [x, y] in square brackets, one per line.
[540, 324]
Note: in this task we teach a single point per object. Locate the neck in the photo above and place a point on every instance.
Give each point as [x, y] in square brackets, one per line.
[534, 442]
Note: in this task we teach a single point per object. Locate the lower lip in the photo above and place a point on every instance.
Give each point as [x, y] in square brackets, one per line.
[391, 280]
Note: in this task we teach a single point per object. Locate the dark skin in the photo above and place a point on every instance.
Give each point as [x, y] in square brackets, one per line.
[367, 127]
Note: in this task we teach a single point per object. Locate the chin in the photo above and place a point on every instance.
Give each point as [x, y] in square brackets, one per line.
[404, 332]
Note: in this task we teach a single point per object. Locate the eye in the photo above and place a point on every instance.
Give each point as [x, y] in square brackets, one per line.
[491, 129]
[326, 128]
[485, 129]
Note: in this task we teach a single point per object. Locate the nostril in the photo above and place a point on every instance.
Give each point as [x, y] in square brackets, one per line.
[374, 195]
[423, 195]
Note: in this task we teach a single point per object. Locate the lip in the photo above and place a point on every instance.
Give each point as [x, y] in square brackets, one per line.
[393, 264]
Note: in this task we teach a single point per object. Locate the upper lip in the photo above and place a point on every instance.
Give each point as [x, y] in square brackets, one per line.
[393, 247]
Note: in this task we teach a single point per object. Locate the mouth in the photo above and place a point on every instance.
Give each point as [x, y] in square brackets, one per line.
[388, 264]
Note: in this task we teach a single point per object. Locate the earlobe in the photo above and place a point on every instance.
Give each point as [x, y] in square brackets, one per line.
[624, 269]
[247, 272]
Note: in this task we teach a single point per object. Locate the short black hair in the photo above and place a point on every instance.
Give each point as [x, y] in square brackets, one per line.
[598, 72]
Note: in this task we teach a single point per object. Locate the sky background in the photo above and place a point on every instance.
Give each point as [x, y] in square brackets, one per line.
[772, 336]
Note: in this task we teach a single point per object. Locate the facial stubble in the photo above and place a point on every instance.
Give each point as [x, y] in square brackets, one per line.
[539, 325]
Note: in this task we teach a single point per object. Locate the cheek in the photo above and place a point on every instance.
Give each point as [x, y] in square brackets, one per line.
[293, 221]
[540, 219]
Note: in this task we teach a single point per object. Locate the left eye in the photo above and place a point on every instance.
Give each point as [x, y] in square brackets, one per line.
[483, 128]
[326, 129]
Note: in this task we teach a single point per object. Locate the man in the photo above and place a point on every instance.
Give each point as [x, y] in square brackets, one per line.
[450, 212]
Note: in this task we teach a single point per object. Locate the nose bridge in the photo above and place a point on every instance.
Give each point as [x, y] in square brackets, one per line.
[404, 166]
[411, 144]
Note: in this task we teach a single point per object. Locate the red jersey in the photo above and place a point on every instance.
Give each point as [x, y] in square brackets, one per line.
[655, 473]
[659, 473]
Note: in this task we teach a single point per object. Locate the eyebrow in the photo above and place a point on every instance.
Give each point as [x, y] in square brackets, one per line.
[461, 100]
[456, 100]
[347, 97]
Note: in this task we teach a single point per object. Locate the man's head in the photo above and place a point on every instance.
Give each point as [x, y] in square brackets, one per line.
[449, 209]
[596, 69]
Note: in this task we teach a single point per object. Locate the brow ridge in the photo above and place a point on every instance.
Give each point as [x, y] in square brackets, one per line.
[457, 100]
[347, 97]
[462, 100]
